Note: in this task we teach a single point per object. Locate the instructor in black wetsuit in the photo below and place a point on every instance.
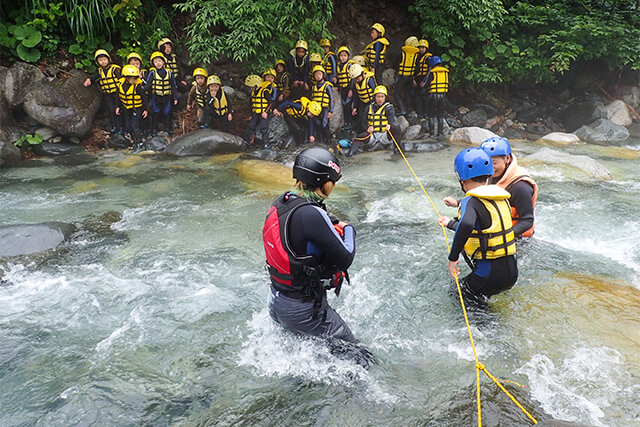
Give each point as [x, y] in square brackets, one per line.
[307, 252]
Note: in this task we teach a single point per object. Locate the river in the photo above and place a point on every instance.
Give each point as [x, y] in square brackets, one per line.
[154, 313]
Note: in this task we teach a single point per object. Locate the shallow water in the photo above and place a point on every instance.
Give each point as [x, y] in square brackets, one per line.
[159, 318]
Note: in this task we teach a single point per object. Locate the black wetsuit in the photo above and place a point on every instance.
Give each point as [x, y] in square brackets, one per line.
[521, 199]
[488, 277]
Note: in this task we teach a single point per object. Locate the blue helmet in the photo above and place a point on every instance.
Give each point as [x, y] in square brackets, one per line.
[496, 146]
[434, 60]
[472, 162]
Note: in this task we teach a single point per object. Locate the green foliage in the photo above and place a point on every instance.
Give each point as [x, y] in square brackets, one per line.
[89, 18]
[83, 50]
[259, 31]
[26, 141]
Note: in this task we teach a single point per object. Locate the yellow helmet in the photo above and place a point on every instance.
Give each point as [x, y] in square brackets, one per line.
[315, 57]
[133, 55]
[355, 70]
[130, 71]
[302, 44]
[314, 108]
[270, 72]
[423, 43]
[325, 42]
[281, 62]
[155, 55]
[317, 68]
[359, 59]
[101, 52]
[343, 49]
[379, 28]
[200, 72]
[411, 41]
[213, 79]
[163, 41]
[380, 89]
[253, 80]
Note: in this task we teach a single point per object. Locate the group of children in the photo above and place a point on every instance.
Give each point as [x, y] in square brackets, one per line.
[299, 89]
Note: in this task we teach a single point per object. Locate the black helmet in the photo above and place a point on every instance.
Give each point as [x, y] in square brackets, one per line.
[315, 166]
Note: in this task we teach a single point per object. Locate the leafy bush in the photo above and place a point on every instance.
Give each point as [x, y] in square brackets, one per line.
[26, 141]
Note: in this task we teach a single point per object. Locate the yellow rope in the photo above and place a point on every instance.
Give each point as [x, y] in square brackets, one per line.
[479, 366]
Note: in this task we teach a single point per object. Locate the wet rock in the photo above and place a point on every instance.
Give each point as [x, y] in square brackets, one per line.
[27, 239]
[46, 133]
[472, 135]
[50, 149]
[118, 141]
[9, 154]
[278, 130]
[618, 113]
[9, 130]
[584, 163]
[453, 122]
[402, 122]
[560, 138]
[602, 131]
[229, 91]
[101, 224]
[66, 106]
[389, 77]
[18, 81]
[423, 146]
[263, 154]
[205, 142]
[634, 130]
[477, 117]
[632, 96]
[412, 132]
[582, 113]
[528, 115]
[157, 143]
[337, 120]
[240, 95]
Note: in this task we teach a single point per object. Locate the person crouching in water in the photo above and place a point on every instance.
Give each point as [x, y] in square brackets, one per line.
[164, 93]
[218, 106]
[299, 115]
[382, 128]
[198, 96]
[132, 101]
[262, 99]
[308, 253]
[483, 230]
[322, 93]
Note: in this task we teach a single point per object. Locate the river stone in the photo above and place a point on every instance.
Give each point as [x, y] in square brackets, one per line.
[559, 138]
[118, 141]
[46, 133]
[9, 130]
[618, 113]
[9, 154]
[602, 131]
[634, 130]
[402, 123]
[632, 96]
[582, 113]
[476, 117]
[472, 135]
[157, 143]
[337, 120]
[27, 239]
[412, 132]
[240, 95]
[278, 130]
[205, 142]
[65, 105]
[528, 115]
[18, 81]
[584, 163]
[423, 146]
[229, 91]
[50, 149]
[389, 78]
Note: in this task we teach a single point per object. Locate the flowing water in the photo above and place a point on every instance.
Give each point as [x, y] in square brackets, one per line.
[154, 313]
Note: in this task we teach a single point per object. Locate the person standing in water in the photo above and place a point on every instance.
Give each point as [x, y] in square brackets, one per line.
[483, 230]
[307, 252]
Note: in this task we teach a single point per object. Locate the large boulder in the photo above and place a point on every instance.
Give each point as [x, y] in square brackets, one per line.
[157, 143]
[66, 106]
[50, 149]
[27, 239]
[471, 135]
[278, 130]
[9, 154]
[559, 138]
[205, 142]
[413, 132]
[634, 130]
[118, 141]
[337, 120]
[618, 113]
[602, 131]
[584, 163]
[477, 117]
[9, 130]
[18, 80]
[582, 113]
[402, 123]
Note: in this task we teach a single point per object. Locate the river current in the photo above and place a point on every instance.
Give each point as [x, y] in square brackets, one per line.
[154, 312]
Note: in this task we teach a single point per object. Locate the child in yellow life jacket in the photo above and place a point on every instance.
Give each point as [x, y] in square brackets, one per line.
[218, 106]
[375, 51]
[283, 80]
[136, 60]
[483, 230]
[419, 89]
[406, 70]
[165, 46]
[132, 102]
[363, 83]
[198, 95]
[315, 59]
[322, 93]
[299, 115]
[343, 79]
[298, 67]
[162, 88]
[437, 84]
[107, 77]
[263, 97]
[329, 62]
[382, 127]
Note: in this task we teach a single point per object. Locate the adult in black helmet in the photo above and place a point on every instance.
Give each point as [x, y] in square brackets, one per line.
[307, 252]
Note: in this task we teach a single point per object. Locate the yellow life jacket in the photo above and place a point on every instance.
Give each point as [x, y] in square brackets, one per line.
[129, 98]
[161, 86]
[310, 78]
[298, 114]
[108, 79]
[365, 92]
[498, 240]
[283, 83]
[407, 65]
[378, 119]
[328, 65]
[320, 94]
[259, 100]
[172, 64]
[200, 96]
[370, 51]
[221, 106]
[440, 81]
[342, 73]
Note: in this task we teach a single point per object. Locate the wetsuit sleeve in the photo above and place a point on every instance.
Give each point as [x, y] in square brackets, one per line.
[291, 104]
[116, 72]
[372, 83]
[391, 114]
[119, 101]
[286, 84]
[329, 90]
[228, 101]
[273, 97]
[143, 94]
[150, 77]
[378, 47]
[310, 121]
[305, 72]
[473, 215]
[334, 66]
[521, 199]
[94, 77]
[174, 86]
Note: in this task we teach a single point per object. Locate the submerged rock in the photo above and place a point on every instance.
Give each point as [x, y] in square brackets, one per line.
[27, 239]
[472, 135]
[560, 138]
[157, 143]
[51, 149]
[602, 131]
[584, 163]
[262, 175]
[9, 154]
[205, 142]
